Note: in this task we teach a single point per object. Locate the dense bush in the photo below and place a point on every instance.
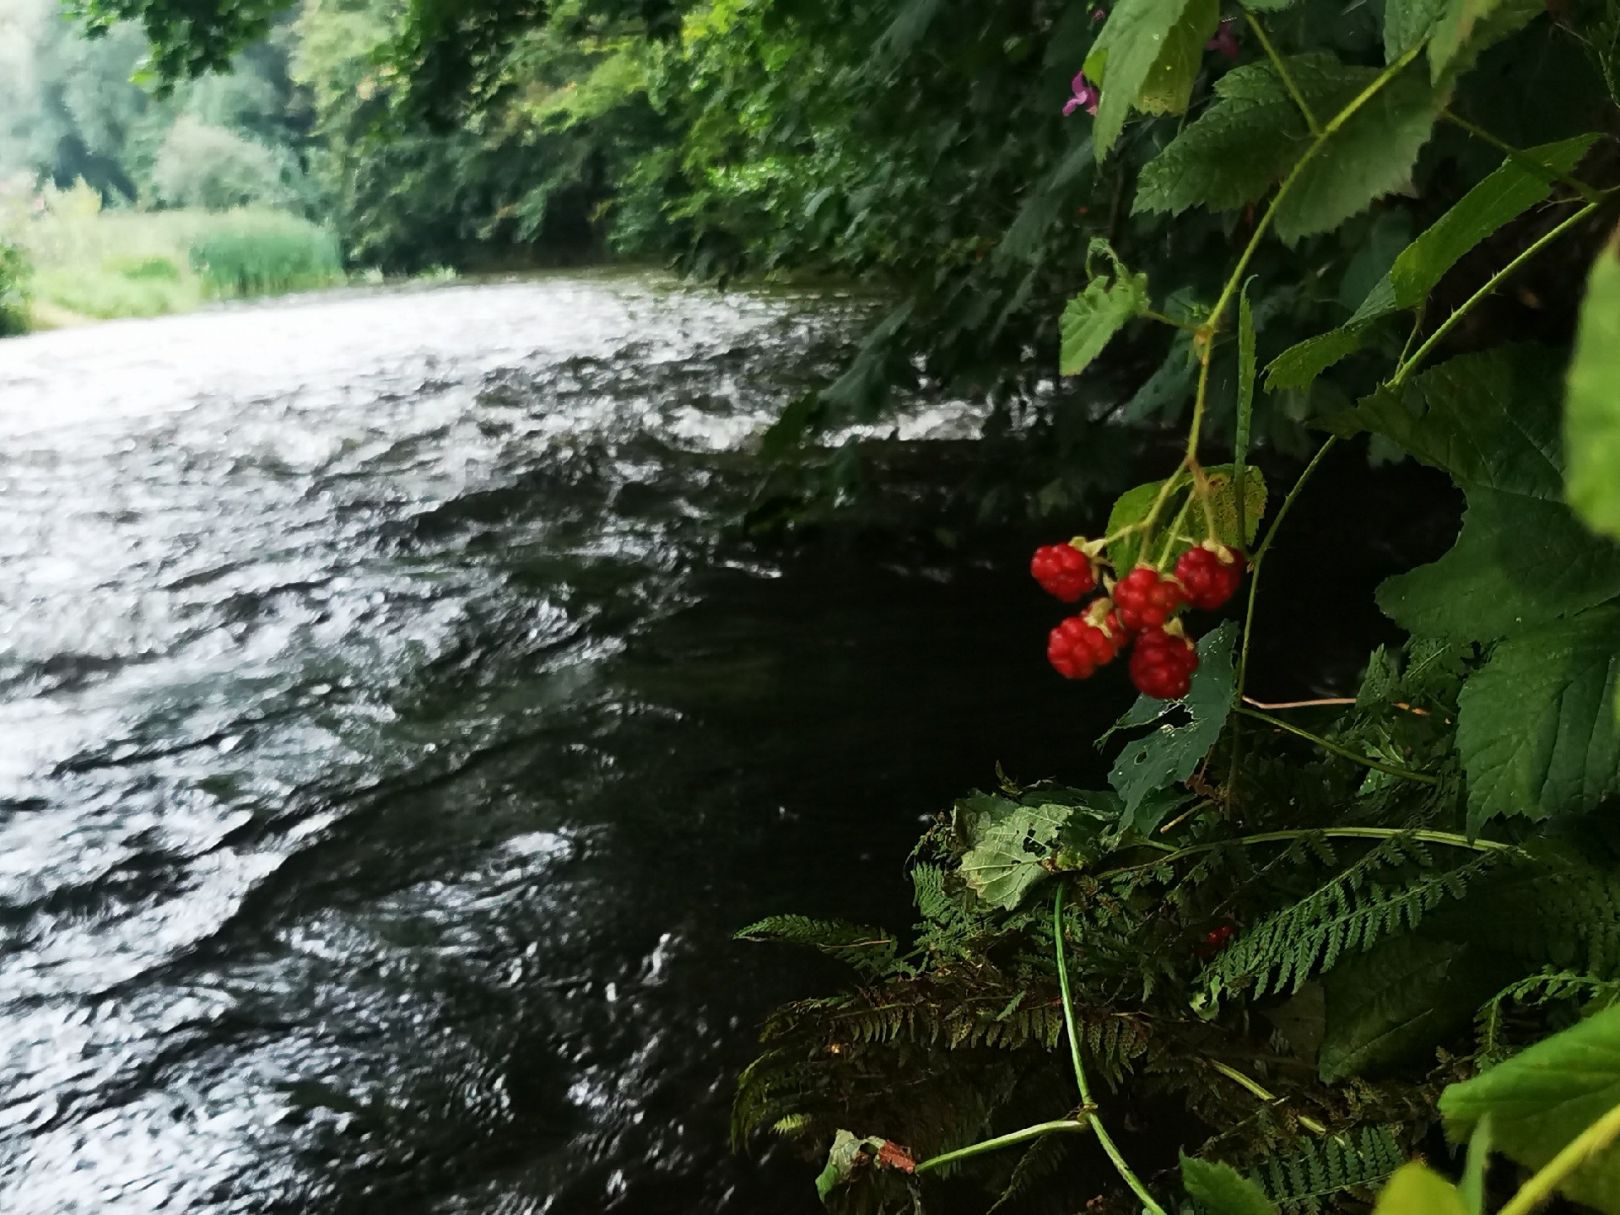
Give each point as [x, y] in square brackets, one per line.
[245, 253]
[13, 290]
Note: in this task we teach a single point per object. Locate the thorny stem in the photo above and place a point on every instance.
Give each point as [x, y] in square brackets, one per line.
[1449, 839]
[1345, 752]
[1011, 1139]
[1282, 72]
[1317, 703]
[1496, 280]
[1265, 1094]
[1103, 1137]
[1151, 315]
[1576, 1153]
[1255, 564]
[1522, 158]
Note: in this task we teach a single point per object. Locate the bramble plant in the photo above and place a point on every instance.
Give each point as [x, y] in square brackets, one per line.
[1292, 943]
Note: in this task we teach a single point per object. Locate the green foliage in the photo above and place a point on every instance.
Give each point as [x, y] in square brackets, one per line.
[1592, 419]
[13, 290]
[1350, 911]
[1151, 47]
[1219, 1189]
[869, 950]
[1309, 1178]
[1170, 754]
[1416, 1189]
[1094, 316]
[1540, 1100]
[260, 253]
[1537, 733]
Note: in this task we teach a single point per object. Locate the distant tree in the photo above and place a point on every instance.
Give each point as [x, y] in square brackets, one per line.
[207, 166]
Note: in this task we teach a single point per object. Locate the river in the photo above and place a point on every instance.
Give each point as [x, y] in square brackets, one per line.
[393, 737]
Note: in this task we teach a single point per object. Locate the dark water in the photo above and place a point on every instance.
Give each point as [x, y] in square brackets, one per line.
[390, 742]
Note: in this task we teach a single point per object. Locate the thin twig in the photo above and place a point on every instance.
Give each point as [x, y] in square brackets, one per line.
[1344, 752]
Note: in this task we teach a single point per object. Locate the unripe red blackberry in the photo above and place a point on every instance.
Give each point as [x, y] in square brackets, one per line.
[1063, 571]
[1081, 644]
[1145, 600]
[1210, 575]
[1162, 664]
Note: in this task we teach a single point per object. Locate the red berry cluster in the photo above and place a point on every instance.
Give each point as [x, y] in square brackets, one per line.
[1142, 608]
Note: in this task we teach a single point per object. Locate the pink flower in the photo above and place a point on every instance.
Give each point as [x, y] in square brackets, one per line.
[1085, 94]
[1225, 41]
[1098, 16]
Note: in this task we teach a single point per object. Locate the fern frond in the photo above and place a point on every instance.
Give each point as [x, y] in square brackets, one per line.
[871, 951]
[1348, 912]
[1321, 1168]
[1545, 987]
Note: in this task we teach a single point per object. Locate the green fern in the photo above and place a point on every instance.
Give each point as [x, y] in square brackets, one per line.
[1348, 912]
[1546, 987]
[1306, 1179]
[871, 951]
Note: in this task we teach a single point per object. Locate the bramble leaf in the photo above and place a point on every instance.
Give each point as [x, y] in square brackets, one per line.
[1511, 190]
[1170, 754]
[1541, 1099]
[1522, 558]
[1092, 318]
[1169, 83]
[1130, 45]
[1301, 363]
[1254, 134]
[1133, 506]
[1535, 727]
[1001, 867]
[1416, 1189]
[1592, 411]
[1219, 1189]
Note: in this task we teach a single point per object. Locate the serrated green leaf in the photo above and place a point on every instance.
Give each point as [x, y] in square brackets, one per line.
[1540, 1100]
[1254, 134]
[1171, 754]
[1395, 1004]
[1507, 193]
[1491, 420]
[1301, 363]
[1416, 1189]
[1092, 318]
[1219, 1189]
[1132, 40]
[1133, 506]
[1535, 728]
[1169, 83]
[1592, 411]
[1407, 23]
[1005, 860]
[1454, 27]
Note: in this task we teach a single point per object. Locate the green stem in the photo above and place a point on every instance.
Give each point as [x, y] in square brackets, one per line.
[1282, 72]
[1186, 326]
[1103, 1137]
[1254, 591]
[1496, 280]
[1449, 839]
[1011, 1139]
[1522, 158]
[1334, 124]
[1250, 1084]
[1344, 752]
[1576, 1153]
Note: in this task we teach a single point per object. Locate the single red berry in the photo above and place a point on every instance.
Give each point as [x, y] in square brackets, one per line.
[1219, 935]
[1210, 576]
[1081, 644]
[1145, 600]
[1162, 664]
[1063, 571]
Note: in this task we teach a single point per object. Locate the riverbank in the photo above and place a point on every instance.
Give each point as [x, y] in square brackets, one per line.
[88, 264]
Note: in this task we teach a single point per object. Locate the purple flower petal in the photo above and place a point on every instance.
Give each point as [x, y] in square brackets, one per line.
[1071, 106]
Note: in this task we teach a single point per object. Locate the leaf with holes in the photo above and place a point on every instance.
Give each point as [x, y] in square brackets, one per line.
[1008, 848]
[1170, 754]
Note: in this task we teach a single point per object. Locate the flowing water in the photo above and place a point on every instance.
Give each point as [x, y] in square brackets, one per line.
[391, 739]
